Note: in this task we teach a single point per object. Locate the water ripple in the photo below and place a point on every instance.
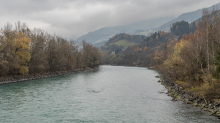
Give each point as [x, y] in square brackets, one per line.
[109, 95]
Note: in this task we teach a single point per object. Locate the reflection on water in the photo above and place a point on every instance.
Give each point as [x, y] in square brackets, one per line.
[111, 94]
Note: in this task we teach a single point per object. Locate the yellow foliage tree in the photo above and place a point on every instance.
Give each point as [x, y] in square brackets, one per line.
[176, 61]
[20, 51]
[21, 47]
[24, 70]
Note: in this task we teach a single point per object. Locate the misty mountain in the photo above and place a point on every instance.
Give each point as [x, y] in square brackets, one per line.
[101, 36]
[189, 17]
[104, 34]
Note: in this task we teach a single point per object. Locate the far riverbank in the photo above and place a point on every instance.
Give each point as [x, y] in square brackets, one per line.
[14, 79]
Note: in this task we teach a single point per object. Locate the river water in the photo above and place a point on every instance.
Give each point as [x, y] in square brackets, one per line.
[111, 94]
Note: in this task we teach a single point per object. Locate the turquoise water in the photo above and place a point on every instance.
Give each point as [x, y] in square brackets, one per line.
[111, 94]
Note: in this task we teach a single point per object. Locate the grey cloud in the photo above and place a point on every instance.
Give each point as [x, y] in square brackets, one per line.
[77, 17]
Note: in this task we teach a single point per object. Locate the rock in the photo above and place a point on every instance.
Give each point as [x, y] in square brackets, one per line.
[179, 98]
[194, 104]
[157, 76]
[189, 102]
[179, 93]
[185, 101]
[217, 114]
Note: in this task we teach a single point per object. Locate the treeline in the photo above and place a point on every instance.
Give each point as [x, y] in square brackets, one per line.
[24, 51]
[138, 55]
[184, 27]
[188, 55]
[194, 61]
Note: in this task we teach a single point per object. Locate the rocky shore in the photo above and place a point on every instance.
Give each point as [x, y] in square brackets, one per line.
[13, 79]
[180, 94]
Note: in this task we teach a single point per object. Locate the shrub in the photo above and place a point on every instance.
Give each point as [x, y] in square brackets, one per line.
[23, 70]
[39, 69]
[183, 84]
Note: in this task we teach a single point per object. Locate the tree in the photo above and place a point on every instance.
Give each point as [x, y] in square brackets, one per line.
[14, 51]
[90, 55]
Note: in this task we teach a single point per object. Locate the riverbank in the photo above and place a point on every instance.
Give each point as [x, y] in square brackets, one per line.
[14, 79]
[178, 93]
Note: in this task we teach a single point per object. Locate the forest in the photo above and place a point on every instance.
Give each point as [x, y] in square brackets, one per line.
[24, 51]
[188, 55]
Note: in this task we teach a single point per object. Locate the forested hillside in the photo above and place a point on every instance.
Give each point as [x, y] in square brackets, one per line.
[24, 51]
[189, 55]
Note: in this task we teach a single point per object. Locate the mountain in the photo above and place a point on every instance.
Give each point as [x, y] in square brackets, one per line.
[101, 36]
[189, 17]
[142, 28]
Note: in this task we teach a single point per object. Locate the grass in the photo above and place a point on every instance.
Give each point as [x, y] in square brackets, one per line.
[217, 100]
[145, 33]
[124, 43]
[183, 84]
[104, 39]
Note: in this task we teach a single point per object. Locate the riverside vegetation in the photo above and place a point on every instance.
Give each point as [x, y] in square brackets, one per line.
[188, 56]
[24, 51]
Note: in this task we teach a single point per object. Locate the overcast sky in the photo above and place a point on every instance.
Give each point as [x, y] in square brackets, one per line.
[73, 18]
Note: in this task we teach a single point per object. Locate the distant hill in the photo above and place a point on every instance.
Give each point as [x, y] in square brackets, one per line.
[104, 34]
[132, 39]
[189, 17]
[122, 41]
[101, 36]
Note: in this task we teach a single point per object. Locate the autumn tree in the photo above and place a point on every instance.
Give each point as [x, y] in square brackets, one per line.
[14, 51]
[24, 51]
[38, 62]
[90, 55]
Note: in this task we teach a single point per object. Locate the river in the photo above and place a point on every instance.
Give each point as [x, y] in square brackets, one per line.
[111, 94]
